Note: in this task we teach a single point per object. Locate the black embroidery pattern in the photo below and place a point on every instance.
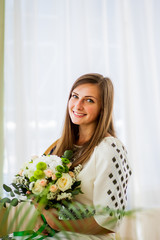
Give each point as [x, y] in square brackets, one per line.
[121, 166]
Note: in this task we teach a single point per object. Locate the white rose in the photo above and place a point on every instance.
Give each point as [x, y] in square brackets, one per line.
[65, 182]
[37, 189]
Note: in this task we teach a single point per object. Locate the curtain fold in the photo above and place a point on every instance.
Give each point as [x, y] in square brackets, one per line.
[2, 13]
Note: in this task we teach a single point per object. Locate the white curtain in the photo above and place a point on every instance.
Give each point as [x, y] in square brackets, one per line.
[49, 43]
[2, 7]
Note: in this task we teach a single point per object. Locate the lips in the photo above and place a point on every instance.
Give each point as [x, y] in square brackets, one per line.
[78, 114]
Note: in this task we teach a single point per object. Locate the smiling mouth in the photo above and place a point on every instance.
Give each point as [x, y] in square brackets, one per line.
[78, 114]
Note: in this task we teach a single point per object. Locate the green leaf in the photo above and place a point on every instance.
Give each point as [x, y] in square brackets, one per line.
[5, 200]
[14, 202]
[68, 154]
[76, 191]
[17, 192]
[12, 194]
[6, 188]
[76, 184]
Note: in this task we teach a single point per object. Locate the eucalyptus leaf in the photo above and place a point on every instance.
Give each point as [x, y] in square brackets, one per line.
[6, 188]
[5, 200]
[12, 194]
[17, 192]
[14, 202]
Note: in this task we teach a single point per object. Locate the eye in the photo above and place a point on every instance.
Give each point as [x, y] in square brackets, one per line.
[90, 100]
[74, 96]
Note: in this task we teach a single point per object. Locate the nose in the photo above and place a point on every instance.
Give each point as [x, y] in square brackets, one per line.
[79, 104]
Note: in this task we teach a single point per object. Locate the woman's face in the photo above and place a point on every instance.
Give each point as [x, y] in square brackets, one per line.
[84, 104]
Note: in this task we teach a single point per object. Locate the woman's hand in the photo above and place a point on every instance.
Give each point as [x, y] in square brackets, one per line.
[39, 223]
[51, 216]
[85, 226]
[39, 220]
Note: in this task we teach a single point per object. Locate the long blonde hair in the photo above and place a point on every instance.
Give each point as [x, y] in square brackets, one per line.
[104, 123]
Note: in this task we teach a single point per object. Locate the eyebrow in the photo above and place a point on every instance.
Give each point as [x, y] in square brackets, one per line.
[84, 96]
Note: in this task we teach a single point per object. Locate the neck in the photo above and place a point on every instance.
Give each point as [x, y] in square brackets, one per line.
[85, 133]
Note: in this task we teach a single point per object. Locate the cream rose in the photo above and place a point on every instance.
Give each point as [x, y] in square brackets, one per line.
[65, 182]
[38, 188]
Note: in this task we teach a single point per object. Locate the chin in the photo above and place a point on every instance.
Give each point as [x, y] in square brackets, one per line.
[76, 122]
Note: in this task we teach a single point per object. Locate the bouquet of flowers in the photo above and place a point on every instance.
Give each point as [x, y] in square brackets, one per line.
[48, 179]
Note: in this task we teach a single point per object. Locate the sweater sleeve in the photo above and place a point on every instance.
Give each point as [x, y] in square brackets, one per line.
[110, 185]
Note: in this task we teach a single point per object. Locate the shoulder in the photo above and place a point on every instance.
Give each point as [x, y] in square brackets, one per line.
[51, 148]
[111, 152]
[111, 144]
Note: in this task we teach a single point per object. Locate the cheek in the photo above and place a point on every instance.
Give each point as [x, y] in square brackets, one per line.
[94, 112]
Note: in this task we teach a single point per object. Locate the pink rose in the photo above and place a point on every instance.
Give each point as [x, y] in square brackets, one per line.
[20, 173]
[28, 192]
[69, 165]
[48, 173]
[53, 188]
[71, 174]
[54, 177]
[43, 182]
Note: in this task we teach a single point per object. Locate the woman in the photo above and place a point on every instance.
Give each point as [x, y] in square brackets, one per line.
[89, 132]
